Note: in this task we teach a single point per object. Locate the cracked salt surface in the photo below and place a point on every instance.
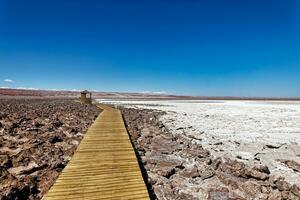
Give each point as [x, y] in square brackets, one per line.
[251, 131]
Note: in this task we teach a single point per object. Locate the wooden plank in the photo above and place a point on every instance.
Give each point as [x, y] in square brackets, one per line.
[104, 165]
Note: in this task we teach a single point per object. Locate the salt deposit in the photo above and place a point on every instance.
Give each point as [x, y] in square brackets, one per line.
[251, 131]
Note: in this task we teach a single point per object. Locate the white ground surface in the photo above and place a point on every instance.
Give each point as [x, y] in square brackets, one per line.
[251, 131]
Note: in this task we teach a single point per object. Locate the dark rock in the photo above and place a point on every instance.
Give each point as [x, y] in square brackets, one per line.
[5, 162]
[262, 169]
[10, 127]
[56, 139]
[273, 146]
[218, 143]
[59, 167]
[168, 172]
[273, 180]
[18, 193]
[216, 163]
[57, 123]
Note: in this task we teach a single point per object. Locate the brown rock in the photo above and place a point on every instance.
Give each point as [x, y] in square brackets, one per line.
[216, 163]
[292, 164]
[29, 169]
[285, 195]
[234, 167]
[17, 193]
[196, 151]
[164, 144]
[206, 172]
[185, 196]
[163, 191]
[46, 180]
[273, 179]
[165, 165]
[289, 195]
[218, 194]
[190, 172]
[229, 180]
[251, 188]
[275, 195]
[262, 169]
[295, 190]
[265, 190]
[253, 173]
[154, 178]
[282, 185]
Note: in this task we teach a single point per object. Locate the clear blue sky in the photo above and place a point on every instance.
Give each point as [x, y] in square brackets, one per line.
[217, 47]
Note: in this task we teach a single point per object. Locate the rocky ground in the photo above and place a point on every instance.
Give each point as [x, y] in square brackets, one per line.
[38, 138]
[177, 166]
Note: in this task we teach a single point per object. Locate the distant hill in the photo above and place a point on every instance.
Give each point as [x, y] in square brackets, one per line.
[74, 94]
[122, 95]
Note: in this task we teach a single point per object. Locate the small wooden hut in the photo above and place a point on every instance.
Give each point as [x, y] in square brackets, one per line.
[84, 98]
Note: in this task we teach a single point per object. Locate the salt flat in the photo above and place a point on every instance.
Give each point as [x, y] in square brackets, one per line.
[251, 131]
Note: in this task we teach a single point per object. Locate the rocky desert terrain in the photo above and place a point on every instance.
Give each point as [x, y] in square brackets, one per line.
[180, 164]
[37, 139]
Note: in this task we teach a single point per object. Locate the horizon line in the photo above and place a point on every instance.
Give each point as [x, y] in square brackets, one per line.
[164, 94]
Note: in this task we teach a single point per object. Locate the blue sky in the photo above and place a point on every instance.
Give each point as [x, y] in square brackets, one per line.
[218, 47]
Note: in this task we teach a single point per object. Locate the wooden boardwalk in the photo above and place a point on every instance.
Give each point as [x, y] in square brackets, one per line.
[104, 166]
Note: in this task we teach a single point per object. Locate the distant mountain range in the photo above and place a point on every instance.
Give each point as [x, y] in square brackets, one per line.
[72, 94]
[7, 92]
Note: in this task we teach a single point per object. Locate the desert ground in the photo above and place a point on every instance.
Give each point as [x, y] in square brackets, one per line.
[187, 149]
[38, 138]
[217, 149]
